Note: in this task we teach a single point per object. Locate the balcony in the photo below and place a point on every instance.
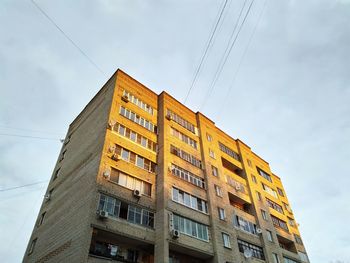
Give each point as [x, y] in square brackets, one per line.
[107, 246]
[287, 244]
[238, 187]
[240, 204]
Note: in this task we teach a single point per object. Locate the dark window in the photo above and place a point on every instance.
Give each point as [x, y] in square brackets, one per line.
[229, 151]
[257, 251]
[32, 246]
[264, 174]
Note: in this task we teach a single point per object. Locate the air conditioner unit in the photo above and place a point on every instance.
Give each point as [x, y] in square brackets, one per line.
[168, 117]
[116, 157]
[47, 197]
[238, 187]
[259, 231]
[102, 214]
[175, 233]
[247, 253]
[137, 193]
[125, 98]
[111, 149]
[107, 174]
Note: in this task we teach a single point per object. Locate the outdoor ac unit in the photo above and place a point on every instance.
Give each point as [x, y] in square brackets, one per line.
[106, 174]
[175, 233]
[102, 214]
[248, 253]
[125, 98]
[47, 197]
[168, 117]
[111, 148]
[137, 193]
[238, 187]
[259, 231]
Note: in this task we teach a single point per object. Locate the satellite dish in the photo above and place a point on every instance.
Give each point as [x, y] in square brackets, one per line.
[248, 253]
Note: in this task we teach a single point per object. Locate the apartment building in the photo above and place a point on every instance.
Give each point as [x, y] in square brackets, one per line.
[142, 178]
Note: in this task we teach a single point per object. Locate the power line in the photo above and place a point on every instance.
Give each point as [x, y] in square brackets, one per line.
[30, 137]
[67, 37]
[206, 49]
[241, 60]
[22, 186]
[226, 54]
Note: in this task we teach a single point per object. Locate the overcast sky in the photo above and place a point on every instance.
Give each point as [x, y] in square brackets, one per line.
[288, 97]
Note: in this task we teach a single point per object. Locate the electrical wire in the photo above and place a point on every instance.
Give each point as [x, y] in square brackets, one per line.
[226, 97]
[209, 44]
[226, 54]
[67, 37]
[22, 186]
[30, 137]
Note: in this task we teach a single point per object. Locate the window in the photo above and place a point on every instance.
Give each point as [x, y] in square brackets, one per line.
[264, 174]
[279, 223]
[269, 190]
[218, 190]
[249, 163]
[187, 176]
[298, 239]
[63, 155]
[140, 162]
[183, 137]
[119, 209]
[57, 173]
[226, 240]
[209, 138]
[137, 119]
[139, 103]
[130, 182]
[137, 160]
[188, 200]
[212, 153]
[133, 255]
[274, 206]
[291, 221]
[257, 251]
[222, 214]
[280, 192]
[125, 155]
[32, 246]
[269, 235]
[244, 224]
[182, 122]
[303, 256]
[275, 258]
[286, 206]
[214, 171]
[110, 205]
[41, 220]
[229, 151]
[190, 227]
[264, 214]
[185, 156]
[258, 195]
[254, 179]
